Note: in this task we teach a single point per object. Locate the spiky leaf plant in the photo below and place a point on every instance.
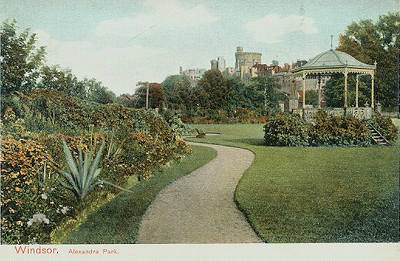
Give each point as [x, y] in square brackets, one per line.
[83, 173]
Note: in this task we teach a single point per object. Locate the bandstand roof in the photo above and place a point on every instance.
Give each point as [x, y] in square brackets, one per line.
[333, 59]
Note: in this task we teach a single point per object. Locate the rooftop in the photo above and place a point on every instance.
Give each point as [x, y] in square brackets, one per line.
[333, 59]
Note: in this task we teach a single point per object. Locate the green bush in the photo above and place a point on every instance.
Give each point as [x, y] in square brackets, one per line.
[175, 123]
[339, 131]
[283, 129]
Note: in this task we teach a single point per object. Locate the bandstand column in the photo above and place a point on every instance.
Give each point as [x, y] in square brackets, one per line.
[304, 90]
[345, 89]
[319, 91]
[372, 90]
[292, 93]
[357, 91]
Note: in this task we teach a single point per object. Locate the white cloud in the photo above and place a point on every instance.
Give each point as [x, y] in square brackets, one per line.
[161, 14]
[118, 68]
[272, 27]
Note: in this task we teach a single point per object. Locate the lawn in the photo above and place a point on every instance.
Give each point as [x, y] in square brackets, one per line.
[118, 221]
[318, 194]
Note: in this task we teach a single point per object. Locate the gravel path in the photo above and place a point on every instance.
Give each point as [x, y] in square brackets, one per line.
[199, 207]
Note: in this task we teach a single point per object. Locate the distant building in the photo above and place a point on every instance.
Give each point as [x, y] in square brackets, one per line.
[286, 67]
[214, 64]
[194, 74]
[218, 64]
[245, 61]
[265, 70]
[274, 62]
[299, 63]
[221, 63]
[229, 71]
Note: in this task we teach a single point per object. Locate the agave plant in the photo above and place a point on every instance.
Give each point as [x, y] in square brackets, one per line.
[83, 175]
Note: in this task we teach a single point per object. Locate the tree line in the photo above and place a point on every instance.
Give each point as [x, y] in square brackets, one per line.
[24, 68]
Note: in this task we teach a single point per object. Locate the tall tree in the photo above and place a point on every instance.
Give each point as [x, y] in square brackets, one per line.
[21, 59]
[370, 42]
[213, 91]
[179, 95]
[156, 96]
[61, 80]
[263, 93]
[97, 92]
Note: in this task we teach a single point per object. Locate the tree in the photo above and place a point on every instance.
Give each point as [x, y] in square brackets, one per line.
[369, 42]
[334, 92]
[263, 93]
[179, 95]
[312, 97]
[97, 92]
[61, 80]
[213, 92]
[156, 96]
[126, 100]
[21, 59]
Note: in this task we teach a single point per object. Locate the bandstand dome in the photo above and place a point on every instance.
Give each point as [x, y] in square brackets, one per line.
[333, 59]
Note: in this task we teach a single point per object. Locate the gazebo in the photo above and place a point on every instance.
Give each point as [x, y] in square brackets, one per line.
[329, 63]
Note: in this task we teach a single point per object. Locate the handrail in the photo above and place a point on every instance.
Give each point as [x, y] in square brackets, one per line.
[369, 124]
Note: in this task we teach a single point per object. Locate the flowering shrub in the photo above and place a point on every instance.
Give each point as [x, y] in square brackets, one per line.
[334, 130]
[33, 201]
[27, 190]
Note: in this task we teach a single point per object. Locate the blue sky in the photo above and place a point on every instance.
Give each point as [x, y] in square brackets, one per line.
[121, 42]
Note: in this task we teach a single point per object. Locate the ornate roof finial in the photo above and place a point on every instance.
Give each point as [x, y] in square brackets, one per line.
[331, 40]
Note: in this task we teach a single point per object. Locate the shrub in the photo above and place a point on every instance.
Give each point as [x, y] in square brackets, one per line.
[340, 131]
[175, 123]
[284, 129]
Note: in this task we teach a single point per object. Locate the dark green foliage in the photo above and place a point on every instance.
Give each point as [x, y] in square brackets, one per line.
[264, 94]
[283, 129]
[175, 123]
[334, 91]
[312, 97]
[369, 42]
[212, 91]
[179, 93]
[156, 96]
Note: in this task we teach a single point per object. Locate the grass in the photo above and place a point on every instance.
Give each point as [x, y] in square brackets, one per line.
[315, 194]
[118, 221]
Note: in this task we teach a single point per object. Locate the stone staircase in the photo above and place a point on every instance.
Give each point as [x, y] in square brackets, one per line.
[377, 137]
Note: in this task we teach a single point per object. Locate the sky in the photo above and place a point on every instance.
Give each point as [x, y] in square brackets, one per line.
[121, 42]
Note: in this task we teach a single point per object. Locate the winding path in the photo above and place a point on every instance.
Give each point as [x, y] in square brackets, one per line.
[199, 207]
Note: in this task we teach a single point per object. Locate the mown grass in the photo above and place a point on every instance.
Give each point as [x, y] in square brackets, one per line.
[315, 194]
[118, 221]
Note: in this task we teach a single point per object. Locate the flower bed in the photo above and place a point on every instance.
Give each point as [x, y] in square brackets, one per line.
[34, 203]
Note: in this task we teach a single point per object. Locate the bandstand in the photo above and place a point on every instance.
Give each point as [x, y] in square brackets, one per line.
[332, 63]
